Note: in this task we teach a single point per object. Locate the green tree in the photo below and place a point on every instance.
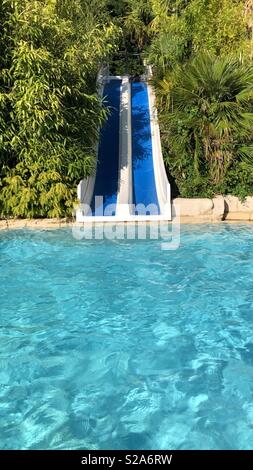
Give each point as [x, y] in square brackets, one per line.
[181, 28]
[218, 26]
[208, 120]
[137, 20]
[50, 112]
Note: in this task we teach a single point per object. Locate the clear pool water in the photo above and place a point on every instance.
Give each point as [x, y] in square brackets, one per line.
[120, 345]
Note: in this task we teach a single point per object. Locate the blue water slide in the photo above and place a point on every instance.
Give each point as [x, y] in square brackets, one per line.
[144, 186]
[106, 182]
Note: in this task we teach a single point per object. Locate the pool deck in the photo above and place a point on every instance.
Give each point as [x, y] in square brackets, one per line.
[53, 224]
[228, 209]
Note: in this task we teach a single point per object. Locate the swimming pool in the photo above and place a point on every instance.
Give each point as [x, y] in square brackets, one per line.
[119, 345]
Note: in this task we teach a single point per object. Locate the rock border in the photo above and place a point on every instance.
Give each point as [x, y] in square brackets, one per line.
[220, 208]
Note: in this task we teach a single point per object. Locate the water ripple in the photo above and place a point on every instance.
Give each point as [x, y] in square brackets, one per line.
[123, 345]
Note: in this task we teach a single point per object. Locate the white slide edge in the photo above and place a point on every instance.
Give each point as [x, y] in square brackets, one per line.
[124, 198]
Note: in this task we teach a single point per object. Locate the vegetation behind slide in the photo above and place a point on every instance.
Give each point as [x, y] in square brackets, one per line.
[50, 114]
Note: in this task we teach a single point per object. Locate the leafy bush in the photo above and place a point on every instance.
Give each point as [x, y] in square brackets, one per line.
[208, 122]
[50, 112]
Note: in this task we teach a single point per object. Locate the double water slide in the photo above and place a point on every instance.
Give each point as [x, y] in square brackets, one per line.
[130, 182]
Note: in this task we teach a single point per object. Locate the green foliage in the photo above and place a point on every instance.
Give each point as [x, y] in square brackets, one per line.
[49, 109]
[50, 112]
[208, 121]
[136, 21]
[204, 99]
[217, 25]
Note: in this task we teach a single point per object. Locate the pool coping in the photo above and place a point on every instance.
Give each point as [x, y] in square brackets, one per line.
[53, 224]
[221, 209]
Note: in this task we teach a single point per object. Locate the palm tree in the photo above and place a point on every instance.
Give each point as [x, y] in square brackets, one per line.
[209, 114]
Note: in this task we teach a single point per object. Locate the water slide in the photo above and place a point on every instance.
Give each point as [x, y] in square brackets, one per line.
[144, 185]
[106, 182]
[130, 181]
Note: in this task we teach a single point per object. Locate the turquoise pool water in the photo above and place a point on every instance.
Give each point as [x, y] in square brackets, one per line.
[120, 345]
